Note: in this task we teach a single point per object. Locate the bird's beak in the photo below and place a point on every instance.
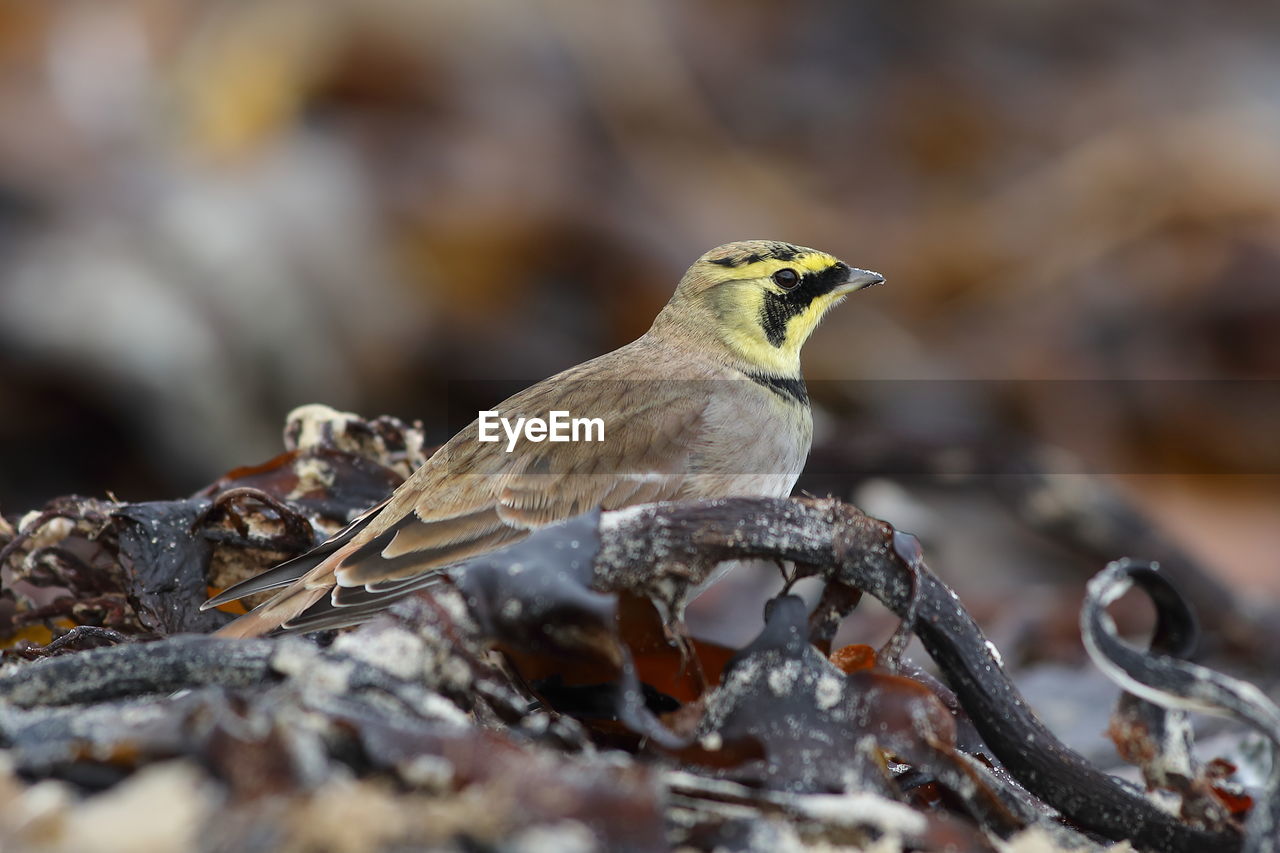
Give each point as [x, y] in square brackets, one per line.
[858, 279]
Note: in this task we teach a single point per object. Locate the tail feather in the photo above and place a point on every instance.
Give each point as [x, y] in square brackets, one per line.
[295, 569]
[273, 578]
[293, 575]
[269, 616]
[324, 613]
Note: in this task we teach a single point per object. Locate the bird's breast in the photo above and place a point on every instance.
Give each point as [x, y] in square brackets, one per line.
[755, 443]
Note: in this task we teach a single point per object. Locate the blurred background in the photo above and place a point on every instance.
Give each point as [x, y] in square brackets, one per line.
[211, 212]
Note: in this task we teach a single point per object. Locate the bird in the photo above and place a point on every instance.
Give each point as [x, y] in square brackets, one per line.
[709, 403]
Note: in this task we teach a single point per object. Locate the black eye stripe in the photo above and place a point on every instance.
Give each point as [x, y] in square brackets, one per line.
[779, 308]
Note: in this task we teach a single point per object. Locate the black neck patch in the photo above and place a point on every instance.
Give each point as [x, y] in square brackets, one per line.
[779, 308]
[789, 389]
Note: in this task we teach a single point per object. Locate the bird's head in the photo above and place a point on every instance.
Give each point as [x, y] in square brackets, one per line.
[761, 299]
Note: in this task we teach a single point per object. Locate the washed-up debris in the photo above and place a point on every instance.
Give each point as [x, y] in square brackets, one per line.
[548, 693]
[836, 542]
[1150, 726]
[271, 754]
[143, 569]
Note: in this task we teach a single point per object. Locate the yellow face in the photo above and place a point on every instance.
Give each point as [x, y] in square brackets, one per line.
[768, 297]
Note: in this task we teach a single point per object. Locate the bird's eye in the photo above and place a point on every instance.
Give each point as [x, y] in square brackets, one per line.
[786, 278]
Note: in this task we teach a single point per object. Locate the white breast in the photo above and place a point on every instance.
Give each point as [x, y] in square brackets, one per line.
[755, 443]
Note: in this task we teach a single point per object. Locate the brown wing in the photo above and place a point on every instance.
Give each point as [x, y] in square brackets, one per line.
[472, 497]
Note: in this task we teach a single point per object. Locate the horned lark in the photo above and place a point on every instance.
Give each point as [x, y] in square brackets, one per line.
[708, 403]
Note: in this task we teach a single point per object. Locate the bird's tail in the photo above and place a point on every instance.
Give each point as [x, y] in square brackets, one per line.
[306, 580]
